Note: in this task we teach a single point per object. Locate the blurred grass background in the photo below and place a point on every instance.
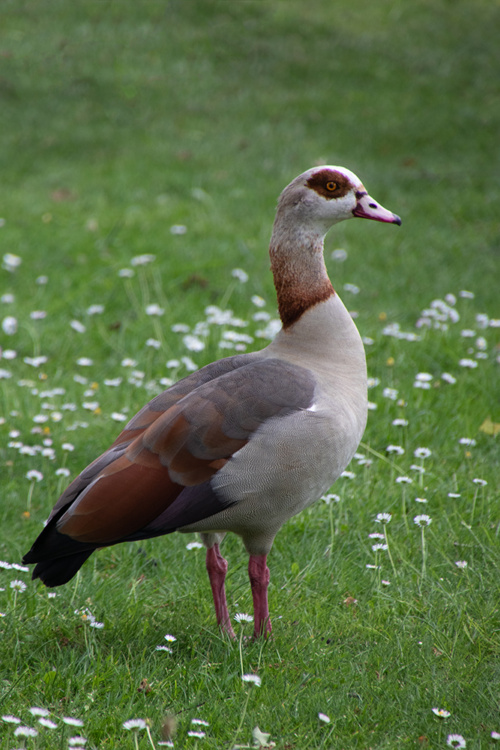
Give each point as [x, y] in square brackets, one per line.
[115, 112]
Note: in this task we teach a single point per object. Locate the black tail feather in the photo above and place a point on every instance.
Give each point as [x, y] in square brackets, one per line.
[58, 556]
[61, 570]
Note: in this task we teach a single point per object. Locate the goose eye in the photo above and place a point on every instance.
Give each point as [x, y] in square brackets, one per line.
[331, 186]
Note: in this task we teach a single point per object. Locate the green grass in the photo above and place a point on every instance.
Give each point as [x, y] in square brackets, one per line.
[120, 120]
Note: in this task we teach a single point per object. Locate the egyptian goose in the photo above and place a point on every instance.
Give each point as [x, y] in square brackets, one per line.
[248, 441]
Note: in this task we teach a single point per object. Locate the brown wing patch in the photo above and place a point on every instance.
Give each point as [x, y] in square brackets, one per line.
[323, 180]
[190, 459]
[119, 503]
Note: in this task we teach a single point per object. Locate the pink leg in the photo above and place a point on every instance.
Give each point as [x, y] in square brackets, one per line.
[217, 569]
[259, 581]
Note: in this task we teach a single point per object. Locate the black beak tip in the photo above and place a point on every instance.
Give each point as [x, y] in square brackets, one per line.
[397, 220]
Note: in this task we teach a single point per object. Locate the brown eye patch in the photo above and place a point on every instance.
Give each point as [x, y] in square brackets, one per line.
[329, 184]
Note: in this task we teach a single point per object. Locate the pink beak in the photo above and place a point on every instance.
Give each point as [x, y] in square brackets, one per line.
[367, 208]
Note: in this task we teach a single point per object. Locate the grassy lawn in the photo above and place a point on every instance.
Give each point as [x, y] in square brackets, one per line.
[143, 147]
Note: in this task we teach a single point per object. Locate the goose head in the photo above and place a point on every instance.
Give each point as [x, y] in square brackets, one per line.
[323, 196]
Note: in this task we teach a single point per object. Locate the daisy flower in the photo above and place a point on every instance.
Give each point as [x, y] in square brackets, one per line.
[253, 678]
[72, 722]
[193, 343]
[21, 586]
[455, 740]
[258, 301]
[194, 545]
[422, 520]
[117, 416]
[95, 309]
[397, 449]
[240, 274]
[10, 262]
[423, 377]
[243, 617]
[34, 475]
[36, 711]
[113, 382]
[331, 497]
[189, 364]
[134, 724]
[352, 288]
[154, 309]
[25, 732]
[441, 712]
[404, 480]
[180, 328]
[422, 453]
[339, 255]
[390, 393]
[9, 325]
[142, 260]
[47, 723]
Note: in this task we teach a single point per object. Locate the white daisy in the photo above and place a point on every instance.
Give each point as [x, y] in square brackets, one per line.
[253, 678]
[441, 712]
[422, 520]
[243, 617]
[72, 722]
[134, 724]
[455, 740]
